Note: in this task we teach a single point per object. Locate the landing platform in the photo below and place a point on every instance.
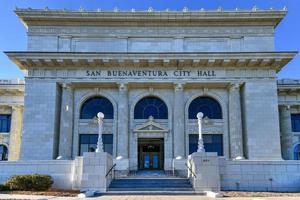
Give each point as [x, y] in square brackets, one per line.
[151, 174]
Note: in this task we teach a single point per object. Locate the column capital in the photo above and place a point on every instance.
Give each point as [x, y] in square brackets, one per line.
[234, 86]
[66, 85]
[17, 107]
[178, 86]
[123, 86]
[287, 107]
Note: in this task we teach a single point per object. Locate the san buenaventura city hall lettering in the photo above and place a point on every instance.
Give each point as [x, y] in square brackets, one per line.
[150, 73]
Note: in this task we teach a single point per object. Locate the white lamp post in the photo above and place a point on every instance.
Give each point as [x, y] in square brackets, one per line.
[200, 139]
[100, 117]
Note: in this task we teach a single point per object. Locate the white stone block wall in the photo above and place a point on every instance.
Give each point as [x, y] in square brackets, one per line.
[40, 120]
[60, 170]
[94, 170]
[77, 175]
[150, 39]
[42, 43]
[250, 175]
[261, 120]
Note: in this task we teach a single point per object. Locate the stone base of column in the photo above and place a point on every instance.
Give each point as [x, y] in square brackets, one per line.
[122, 167]
[205, 168]
[179, 167]
[94, 169]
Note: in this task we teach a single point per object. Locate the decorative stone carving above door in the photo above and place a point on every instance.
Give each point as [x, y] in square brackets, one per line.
[151, 129]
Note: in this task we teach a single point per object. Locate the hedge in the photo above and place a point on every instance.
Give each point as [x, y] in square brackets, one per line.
[30, 182]
[4, 187]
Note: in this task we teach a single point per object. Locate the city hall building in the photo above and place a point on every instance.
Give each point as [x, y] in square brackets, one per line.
[150, 73]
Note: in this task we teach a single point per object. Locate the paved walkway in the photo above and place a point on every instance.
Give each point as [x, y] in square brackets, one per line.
[141, 197]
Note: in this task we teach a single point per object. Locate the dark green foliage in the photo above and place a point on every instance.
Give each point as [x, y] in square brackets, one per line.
[30, 182]
[4, 187]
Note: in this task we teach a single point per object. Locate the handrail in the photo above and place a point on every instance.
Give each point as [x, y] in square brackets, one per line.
[191, 170]
[110, 170]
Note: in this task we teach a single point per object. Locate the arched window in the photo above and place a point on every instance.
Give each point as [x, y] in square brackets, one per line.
[208, 106]
[297, 152]
[150, 106]
[3, 152]
[92, 106]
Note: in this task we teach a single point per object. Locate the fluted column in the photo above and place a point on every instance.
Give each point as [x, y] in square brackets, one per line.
[66, 123]
[235, 122]
[178, 121]
[122, 147]
[286, 132]
[15, 133]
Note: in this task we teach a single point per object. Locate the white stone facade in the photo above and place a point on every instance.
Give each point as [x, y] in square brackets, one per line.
[124, 58]
[11, 104]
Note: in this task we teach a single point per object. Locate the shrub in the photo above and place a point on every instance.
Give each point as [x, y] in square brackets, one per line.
[4, 187]
[30, 182]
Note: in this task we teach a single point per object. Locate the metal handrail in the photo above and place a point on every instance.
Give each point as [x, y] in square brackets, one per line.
[110, 170]
[191, 170]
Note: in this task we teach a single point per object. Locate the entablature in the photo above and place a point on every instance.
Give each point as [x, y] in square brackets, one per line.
[83, 17]
[262, 60]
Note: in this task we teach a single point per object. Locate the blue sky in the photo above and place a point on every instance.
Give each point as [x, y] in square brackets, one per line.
[13, 33]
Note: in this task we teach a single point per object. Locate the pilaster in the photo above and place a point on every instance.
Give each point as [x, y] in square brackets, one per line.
[66, 122]
[123, 134]
[179, 135]
[15, 133]
[235, 122]
[286, 132]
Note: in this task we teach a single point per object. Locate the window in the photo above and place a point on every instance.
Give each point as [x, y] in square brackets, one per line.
[5, 123]
[150, 106]
[88, 143]
[3, 153]
[297, 152]
[208, 106]
[92, 106]
[295, 122]
[212, 143]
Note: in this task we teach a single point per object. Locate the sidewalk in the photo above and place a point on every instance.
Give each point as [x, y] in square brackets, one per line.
[140, 197]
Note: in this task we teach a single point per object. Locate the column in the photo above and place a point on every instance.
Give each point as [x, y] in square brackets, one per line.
[123, 134]
[235, 122]
[15, 133]
[66, 123]
[286, 132]
[178, 121]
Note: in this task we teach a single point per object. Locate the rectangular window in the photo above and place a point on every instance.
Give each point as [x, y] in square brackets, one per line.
[295, 122]
[212, 143]
[5, 121]
[88, 143]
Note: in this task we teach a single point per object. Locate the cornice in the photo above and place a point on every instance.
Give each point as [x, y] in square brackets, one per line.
[37, 17]
[267, 60]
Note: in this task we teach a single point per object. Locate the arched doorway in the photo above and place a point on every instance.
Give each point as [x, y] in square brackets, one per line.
[151, 150]
[89, 110]
[3, 153]
[211, 110]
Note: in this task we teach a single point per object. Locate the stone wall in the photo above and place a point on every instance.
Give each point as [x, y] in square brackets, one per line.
[150, 39]
[60, 170]
[40, 118]
[250, 175]
[261, 120]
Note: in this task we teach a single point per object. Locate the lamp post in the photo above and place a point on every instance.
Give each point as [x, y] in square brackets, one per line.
[100, 117]
[200, 139]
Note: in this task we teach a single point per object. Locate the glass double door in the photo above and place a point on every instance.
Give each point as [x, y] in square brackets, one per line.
[151, 160]
[150, 154]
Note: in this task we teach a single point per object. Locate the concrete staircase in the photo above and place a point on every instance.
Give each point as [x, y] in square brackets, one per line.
[151, 186]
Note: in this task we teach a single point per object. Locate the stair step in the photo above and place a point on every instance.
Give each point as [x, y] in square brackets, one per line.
[151, 189]
[153, 192]
[148, 186]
